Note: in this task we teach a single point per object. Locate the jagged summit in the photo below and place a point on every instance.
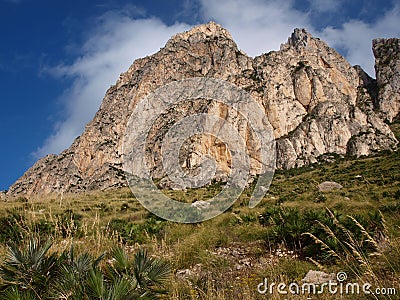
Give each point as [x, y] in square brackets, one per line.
[299, 38]
[316, 102]
[203, 31]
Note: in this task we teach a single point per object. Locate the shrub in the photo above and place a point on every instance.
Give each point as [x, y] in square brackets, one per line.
[30, 272]
[12, 227]
[136, 232]
[397, 194]
[299, 230]
[354, 243]
[288, 225]
[43, 228]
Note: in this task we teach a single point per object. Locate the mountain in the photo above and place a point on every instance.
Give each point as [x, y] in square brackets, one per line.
[316, 102]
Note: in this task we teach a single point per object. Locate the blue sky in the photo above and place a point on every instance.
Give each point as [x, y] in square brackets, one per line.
[57, 58]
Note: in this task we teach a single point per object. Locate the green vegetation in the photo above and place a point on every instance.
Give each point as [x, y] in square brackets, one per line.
[305, 231]
[295, 228]
[31, 272]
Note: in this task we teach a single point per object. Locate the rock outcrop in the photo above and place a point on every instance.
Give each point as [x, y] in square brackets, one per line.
[387, 67]
[318, 103]
[329, 186]
[315, 100]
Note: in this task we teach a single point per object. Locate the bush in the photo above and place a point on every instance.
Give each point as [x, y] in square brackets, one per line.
[136, 232]
[43, 228]
[12, 227]
[288, 225]
[30, 272]
[303, 231]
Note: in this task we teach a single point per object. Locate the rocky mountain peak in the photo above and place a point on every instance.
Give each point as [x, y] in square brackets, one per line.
[299, 38]
[316, 102]
[385, 47]
[201, 33]
[302, 39]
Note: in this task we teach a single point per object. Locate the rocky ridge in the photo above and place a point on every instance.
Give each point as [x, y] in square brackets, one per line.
[387, 67]
[315, 100]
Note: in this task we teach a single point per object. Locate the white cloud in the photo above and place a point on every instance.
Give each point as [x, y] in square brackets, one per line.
[355, 37]
[257, 26]
[260, 26]
[112, 47]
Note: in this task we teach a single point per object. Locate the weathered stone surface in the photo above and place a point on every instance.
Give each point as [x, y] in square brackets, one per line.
[200, 204]
[316, 102]
[387, 67]
[326, 107]
[329, 186]
[318, 277]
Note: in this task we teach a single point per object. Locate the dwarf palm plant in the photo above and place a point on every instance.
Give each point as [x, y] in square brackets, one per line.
[73, 274]
[146, 275]
[30, 272]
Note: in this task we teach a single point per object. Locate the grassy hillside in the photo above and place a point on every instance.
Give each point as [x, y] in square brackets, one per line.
[296, 228]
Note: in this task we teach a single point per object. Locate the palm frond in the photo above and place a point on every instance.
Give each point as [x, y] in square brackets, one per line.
[121, 259]
[159, 272]
[14, 294]
[120, 290]
[95, 283]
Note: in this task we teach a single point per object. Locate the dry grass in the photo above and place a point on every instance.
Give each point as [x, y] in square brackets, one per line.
[369, 184]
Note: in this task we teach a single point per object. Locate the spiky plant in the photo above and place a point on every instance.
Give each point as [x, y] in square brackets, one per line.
[28, 271]
[146, 275]
[73, 274]
[121, 279]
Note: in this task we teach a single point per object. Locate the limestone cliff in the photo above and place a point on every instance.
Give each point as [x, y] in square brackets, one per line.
[315, 100]
[387, 66]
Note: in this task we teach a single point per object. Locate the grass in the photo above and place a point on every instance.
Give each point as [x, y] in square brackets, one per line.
[227, 257]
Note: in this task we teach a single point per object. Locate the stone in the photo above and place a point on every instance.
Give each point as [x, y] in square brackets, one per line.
[168, 184]
[329, 186]
[318, 277]
[200, 204]
[184, 273]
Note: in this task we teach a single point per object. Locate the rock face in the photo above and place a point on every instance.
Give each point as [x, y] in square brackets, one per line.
[316, 102]
[329, 186]
[318, 277]
[387, 66]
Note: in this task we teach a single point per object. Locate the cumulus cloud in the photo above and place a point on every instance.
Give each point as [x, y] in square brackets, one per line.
[257, 26]
[354, 38]
[114, 43]
[260, 26]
